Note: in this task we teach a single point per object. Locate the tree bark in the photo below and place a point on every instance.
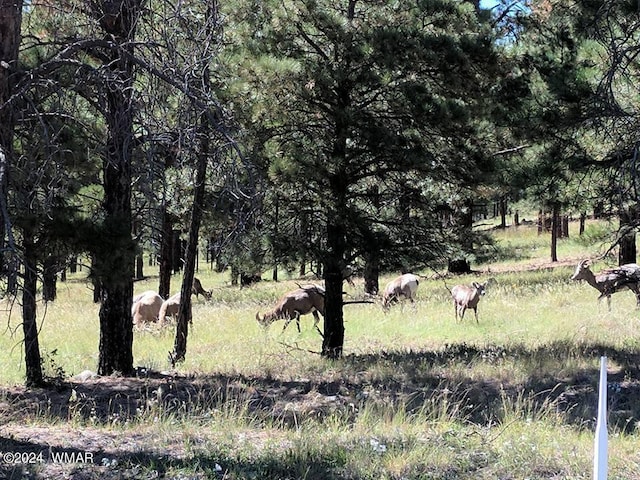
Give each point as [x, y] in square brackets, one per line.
[49, 284]
[184, 313]
[33, 362]
[166, 240]
[10, 25]
[333, 339]
[627, 251]
[115, 263]
[371, 273]
[555, 224]
[205, 131]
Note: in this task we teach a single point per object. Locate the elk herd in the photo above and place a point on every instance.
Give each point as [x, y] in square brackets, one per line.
[149, 307]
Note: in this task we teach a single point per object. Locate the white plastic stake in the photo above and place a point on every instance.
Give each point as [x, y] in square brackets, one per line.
[600, 447]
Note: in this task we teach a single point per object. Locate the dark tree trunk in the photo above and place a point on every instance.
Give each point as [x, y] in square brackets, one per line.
[139, 266]
[166, 240]
[583, 221]
[49, 284]
[205, 131]
[29, 321]
[115, 263]
[555, 224]
[73, 265]
[184, 313]
[10, 24]
[627, 252]
[95, 281]
[276, 226]
[333, 340]
[371, 274]
[503, 212]
[235, 275]
[176, 252]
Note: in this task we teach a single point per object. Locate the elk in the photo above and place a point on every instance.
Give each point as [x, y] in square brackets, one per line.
[169, 308]
[402, 286]
[611, 280]
[199, 290]
[293, 304]
[467, 296]
[146, 307]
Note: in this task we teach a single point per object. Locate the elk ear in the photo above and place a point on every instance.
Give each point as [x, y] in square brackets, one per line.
[476, 285]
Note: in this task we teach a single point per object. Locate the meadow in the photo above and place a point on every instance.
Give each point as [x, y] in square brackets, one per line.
[416, 395]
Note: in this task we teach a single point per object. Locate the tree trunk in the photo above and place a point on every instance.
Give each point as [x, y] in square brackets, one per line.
[565, 226]
[73, 264]
[555, 220]
[10, 24]
[503, 212]
[29, 321]
[139, 266]
[205, 131]
[184, 313]
[176, 252]
[627, 232]
[166, 240]
[371, 273]
[115, 263]
[583, 221]
[333, 339]
[49, 284]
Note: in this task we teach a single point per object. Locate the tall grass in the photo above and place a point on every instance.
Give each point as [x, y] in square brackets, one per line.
[417, 394]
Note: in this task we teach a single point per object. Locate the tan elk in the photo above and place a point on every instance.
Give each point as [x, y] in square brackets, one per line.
[169, 308]
[402, 286]
[611, 280]
[293, 304]
[145, 307]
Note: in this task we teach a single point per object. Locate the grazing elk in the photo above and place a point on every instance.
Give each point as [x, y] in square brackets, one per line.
[199, 290]
[169, 308]
[611, 280]
[146, 307]
[467, 296]
[304, 300]
[402, 286]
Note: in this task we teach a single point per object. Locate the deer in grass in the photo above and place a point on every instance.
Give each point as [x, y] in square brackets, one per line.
[403, 286]
[467, 296]
[198, 289]
[611, 280]
[304, 300]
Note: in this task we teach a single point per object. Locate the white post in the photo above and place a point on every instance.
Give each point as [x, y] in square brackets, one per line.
[600, 448]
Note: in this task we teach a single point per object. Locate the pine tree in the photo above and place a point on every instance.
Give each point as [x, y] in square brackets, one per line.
[375, 111]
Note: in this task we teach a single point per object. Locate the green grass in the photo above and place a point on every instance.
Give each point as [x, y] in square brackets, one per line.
[417, 394]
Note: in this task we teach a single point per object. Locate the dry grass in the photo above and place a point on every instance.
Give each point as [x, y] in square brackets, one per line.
[416, 395]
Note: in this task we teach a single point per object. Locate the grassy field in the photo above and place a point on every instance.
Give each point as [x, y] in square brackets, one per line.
[416, 396]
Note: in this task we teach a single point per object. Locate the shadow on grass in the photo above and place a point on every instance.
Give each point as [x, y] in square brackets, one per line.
[39, 460]
[560, 377]
[561, 373]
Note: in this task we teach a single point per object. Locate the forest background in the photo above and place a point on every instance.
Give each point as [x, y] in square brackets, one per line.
[299, 138]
